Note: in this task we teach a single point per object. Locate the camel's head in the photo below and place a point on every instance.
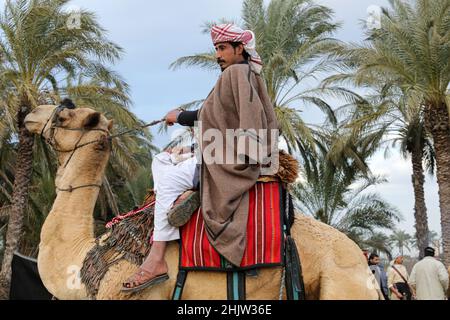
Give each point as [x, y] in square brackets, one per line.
[65, 127]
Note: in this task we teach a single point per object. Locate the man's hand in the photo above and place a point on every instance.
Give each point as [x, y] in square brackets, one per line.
[171, 117]
[179, 150]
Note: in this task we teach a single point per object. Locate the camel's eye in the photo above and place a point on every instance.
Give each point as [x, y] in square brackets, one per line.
[61, 119]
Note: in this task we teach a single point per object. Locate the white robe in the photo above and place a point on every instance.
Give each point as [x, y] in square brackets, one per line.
[430, 279]
[171, 179]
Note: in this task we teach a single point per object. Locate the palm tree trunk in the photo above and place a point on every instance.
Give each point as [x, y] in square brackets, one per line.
[22, 181]
[420, 209]
[437, 123]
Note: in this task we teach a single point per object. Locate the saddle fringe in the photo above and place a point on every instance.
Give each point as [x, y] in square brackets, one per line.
[129, 238]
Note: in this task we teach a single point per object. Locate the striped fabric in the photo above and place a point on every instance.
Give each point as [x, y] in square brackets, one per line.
[232, 33]
[264, 235]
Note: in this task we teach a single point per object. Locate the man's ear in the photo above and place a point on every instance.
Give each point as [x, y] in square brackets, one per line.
[92, 120]
[240, 49]
[110, 124]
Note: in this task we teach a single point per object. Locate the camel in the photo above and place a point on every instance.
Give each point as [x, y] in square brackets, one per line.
[333, 265]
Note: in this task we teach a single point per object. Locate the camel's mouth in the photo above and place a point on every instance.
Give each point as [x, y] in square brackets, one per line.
[38, 117]
[31, 125]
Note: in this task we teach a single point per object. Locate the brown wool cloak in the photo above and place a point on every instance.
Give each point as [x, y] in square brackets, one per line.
[239, 100]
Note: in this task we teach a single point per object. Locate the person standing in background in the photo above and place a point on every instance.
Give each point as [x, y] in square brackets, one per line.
[398, 280]
[429, 277]
[380, 275]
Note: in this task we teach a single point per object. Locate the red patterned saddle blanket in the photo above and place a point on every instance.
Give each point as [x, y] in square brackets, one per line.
[265, 237]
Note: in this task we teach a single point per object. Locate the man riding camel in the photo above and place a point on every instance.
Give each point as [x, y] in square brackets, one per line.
[238, 102]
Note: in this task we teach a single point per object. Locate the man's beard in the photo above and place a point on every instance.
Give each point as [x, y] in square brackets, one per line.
[221, 61]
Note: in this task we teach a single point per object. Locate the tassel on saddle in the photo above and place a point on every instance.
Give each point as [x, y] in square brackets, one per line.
[288, 168]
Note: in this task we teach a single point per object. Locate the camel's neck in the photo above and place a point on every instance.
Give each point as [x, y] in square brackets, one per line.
[73, 211]
[68, 232]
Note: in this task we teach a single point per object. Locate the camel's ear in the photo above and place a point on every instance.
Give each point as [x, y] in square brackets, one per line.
[92, 120]
[110, 124]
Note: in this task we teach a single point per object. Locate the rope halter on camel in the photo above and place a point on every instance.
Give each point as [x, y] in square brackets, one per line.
[53, 121]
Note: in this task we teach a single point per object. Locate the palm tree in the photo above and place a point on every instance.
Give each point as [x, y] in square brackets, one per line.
[334, 190]
[131, 156]
[39, 49]
[401, 240]
[376, 242]
[411, 50]
[416, 142]
[349, 211]
[293, 39]
[127, 178]
[434, 240]
[400, 119]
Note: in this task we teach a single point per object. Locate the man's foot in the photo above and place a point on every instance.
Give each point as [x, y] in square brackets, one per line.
[183, 208]
[143, 279]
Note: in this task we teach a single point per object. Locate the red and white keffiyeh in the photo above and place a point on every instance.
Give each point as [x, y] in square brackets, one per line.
[232, 33]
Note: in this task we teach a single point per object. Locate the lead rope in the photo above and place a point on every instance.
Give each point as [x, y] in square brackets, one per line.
[138, 128]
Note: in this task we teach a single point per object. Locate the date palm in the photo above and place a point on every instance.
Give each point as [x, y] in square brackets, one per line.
[402, 240]
[128, 174]
[334, 190]
[411, 52]
[433, 240]
[401, 120]
[416, 143]
[377, 242]
[39, 49]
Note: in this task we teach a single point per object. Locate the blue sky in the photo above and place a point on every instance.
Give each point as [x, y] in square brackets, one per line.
[155, 33]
